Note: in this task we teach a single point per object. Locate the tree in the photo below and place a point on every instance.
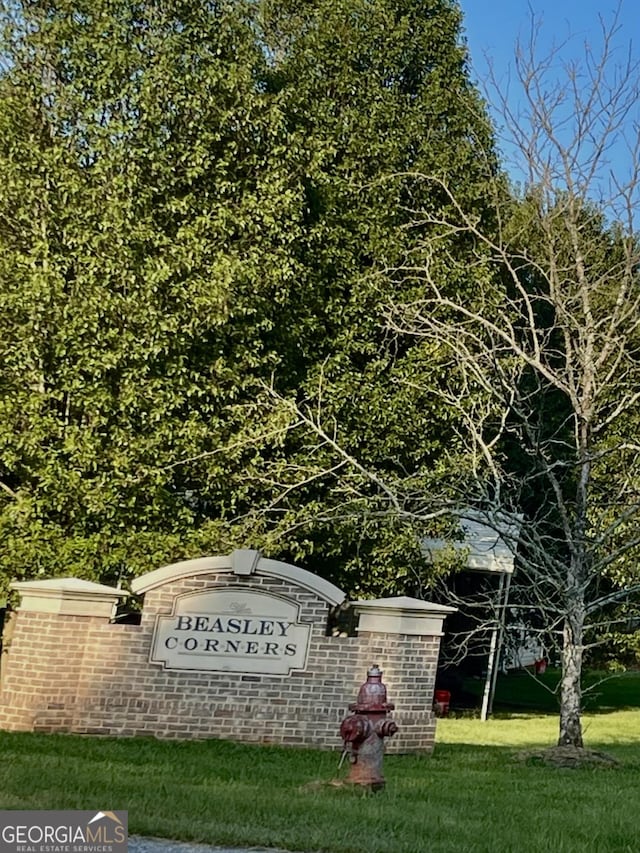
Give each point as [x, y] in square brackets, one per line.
[375, 92]
[144, 197]
[560, 359]
[542, 357]
[197, 198]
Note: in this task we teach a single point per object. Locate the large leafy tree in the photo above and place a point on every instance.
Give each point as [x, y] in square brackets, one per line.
[133, 163]
[201, 208]
[380, 95]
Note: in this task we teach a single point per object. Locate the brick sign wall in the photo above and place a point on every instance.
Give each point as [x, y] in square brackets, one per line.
[231, 647]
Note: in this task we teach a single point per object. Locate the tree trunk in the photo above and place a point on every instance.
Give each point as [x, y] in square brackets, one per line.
[570, 686]
[577, 575]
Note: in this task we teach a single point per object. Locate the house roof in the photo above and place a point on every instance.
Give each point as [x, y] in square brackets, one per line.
[489, 540]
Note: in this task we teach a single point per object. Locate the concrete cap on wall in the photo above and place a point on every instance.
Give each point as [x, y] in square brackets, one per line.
[68, 597]
[242, 562]
[401, 615]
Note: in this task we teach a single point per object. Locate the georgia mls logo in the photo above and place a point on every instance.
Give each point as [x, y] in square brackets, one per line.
[119, 831]
[63, 832]
[110, 815]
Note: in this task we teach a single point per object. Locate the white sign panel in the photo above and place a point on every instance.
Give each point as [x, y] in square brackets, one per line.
[232, 630]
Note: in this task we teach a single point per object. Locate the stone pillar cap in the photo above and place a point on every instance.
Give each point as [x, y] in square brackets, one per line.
[68, 597]
[401, 615]
[404, 604]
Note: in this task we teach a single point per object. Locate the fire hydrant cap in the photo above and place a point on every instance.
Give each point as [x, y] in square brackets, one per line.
[372, 697]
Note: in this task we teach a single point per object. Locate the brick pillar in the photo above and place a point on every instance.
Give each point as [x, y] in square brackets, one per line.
[402, 635]
[41, 667]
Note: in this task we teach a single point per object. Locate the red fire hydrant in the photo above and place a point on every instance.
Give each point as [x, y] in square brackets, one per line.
[364, 731]
[441, 702]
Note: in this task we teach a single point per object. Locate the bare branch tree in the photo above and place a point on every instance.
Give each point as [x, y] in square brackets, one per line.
[542, 357]
[556, 356]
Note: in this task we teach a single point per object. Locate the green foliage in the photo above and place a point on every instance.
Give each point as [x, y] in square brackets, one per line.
[617, 650]
[199, 200]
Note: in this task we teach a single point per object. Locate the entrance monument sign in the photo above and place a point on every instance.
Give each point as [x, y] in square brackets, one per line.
[235, 646]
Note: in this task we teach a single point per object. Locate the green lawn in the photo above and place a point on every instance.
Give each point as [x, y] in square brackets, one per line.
[469, 796]
[518, 690]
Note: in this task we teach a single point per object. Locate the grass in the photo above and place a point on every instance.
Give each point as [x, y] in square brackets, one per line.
[519, 690]
[469, 796]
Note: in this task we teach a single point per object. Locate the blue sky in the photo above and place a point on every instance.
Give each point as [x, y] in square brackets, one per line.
[492, 27]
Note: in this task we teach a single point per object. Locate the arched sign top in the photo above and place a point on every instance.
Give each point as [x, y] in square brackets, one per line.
[240, 562]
